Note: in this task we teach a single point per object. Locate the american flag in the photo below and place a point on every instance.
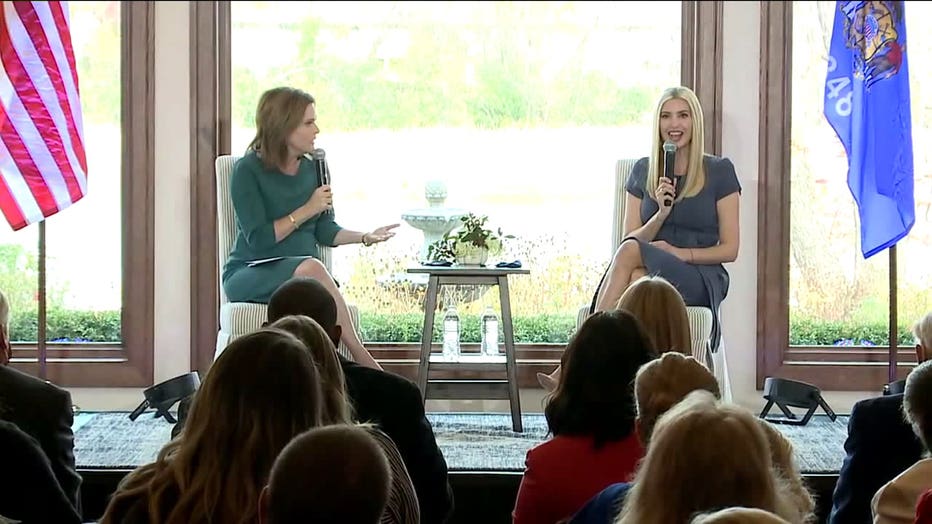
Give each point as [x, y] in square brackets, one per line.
[43, 167]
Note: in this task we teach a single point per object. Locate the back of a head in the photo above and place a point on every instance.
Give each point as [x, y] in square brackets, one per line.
[799, 501]
[922, 330]
[304, 296]
[738, 516]
[594, 396]
[334, 474]
[715, 453]
[917, 401]
[659, 306]
[662, 383]
[332, 380]
[4, 312]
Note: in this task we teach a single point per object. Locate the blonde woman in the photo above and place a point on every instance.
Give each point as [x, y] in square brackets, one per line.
[784, 463]
[261, 392]
[704, 455]
[738, 516]
[660, 309]
[658, 386]
[402, 507]
[687, 241]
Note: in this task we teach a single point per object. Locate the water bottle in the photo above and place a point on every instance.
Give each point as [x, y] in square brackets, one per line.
[489, 332]
[451, 334]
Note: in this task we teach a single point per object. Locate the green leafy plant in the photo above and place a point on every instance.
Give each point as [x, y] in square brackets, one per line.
[471, 234]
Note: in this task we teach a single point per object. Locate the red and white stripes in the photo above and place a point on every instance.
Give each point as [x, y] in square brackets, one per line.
[43, 166]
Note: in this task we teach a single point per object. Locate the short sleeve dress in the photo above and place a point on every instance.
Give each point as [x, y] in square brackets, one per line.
[692, 223]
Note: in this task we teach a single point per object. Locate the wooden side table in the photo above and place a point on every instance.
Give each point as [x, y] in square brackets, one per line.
[476, 389]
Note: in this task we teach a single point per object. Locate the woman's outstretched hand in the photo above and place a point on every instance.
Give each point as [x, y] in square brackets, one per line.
[380, 234]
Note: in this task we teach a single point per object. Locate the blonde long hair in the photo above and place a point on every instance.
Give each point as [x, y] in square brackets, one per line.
[337, 409]
[712, 455]
[279, 112]
[261, 392]
[659, 306]
[695, 175]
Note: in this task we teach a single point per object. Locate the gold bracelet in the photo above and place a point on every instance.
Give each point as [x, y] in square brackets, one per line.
[294, 222]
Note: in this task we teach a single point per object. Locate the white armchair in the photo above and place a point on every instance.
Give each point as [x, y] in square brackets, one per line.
[240, 318]
[700, 317]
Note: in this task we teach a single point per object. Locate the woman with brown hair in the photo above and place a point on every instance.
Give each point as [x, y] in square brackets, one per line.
[402, 506]
[259, 393]
[591, 416]
[283, 212]
[662, 312]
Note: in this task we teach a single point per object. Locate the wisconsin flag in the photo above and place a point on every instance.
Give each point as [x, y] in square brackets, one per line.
[43, 167]
[867, 104]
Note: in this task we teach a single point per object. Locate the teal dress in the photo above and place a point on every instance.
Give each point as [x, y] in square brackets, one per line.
[261, 196]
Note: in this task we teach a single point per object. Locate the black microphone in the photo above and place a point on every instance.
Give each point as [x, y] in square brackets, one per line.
[323, 172]
[669, 157]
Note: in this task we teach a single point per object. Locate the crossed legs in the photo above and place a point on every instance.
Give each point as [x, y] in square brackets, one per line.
[313, 268]
[626, 267]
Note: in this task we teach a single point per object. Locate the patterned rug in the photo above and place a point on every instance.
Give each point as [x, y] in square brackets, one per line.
[469, 441]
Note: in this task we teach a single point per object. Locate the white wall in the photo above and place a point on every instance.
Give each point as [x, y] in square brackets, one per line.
[172, 210]
[172, 231]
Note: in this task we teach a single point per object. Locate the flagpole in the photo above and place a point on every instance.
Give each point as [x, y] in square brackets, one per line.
[894, 342]
[41, 314]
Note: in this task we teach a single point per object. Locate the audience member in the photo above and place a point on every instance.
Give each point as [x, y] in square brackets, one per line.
[662, 312]
[784, 463]
[29, 491]
[42, 410]
[895, 502]
[391, 402]
[880, 445]
[335, 474]
[261, 392]
[591, 416]
[658, 386]
[738, 516]
[402, 506]
[704, 455]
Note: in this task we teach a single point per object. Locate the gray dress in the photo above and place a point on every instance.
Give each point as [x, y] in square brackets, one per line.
[692, 223]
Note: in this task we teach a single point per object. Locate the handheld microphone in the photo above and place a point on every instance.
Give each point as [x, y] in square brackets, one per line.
[323, 172]
[669, 157]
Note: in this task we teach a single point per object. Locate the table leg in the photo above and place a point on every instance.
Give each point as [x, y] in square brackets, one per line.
[430, 306]
[511, 367]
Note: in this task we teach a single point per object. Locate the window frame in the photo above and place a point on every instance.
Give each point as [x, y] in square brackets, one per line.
[128, 363]
[854, 369]
[701, 70]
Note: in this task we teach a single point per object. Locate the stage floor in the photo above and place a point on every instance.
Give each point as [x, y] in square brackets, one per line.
[470, 442]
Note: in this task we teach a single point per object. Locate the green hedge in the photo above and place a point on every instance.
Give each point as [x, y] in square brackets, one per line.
[555, 329]
[809, 332]
[104, 326]
[68, 326]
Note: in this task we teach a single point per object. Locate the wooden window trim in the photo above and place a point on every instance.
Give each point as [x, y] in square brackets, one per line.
[701, 70]
[842, 369]
[129, 364]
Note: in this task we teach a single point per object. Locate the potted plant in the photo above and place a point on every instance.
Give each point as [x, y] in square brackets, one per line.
[469, 244]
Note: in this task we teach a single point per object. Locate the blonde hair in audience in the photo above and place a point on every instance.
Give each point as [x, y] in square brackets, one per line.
[704, 455]
[661, 309]
[261, 392]
[784, 463]
[695, 175]
[4, 312]
[337, 408]
[922, 330]
[917, 401]
[738, 516]
[663, 382]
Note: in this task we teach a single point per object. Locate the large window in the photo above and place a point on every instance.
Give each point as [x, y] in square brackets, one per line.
[520, 109]
[86, 249]
[838, 303]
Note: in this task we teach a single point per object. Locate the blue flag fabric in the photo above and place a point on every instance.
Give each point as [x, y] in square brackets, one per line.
[867, 104]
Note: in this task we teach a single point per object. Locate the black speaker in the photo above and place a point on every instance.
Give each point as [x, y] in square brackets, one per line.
[787, 393]
[164, 395]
